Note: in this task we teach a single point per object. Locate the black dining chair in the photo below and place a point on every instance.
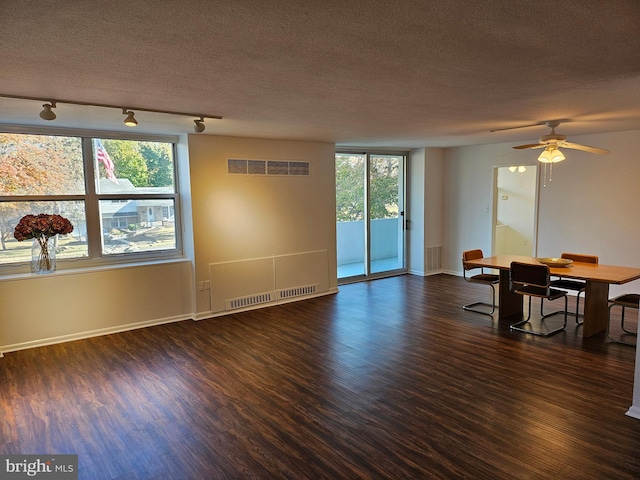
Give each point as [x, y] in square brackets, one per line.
[535, 281]
[483, 278]
[571, 285]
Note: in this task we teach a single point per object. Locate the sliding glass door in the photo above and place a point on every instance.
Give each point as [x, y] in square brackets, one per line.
[370, 214]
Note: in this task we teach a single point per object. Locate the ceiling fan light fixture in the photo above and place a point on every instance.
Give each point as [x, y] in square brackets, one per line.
[551, 154]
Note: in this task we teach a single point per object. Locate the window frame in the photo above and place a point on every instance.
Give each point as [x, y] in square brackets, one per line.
[91, 198]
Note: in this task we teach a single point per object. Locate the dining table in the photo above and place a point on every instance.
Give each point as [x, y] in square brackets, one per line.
[597, 276]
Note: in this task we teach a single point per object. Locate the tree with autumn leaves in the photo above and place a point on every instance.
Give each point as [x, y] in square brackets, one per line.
[34, 165]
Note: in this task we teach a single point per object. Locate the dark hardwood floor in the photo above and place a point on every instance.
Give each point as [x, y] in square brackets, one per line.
[388, 379]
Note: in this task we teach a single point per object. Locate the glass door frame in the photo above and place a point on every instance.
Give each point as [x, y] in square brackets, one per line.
[402, 215]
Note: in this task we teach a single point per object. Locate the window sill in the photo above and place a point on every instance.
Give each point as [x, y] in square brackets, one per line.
[91, 269]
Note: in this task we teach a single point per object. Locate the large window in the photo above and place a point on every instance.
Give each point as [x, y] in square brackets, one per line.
[119, 194]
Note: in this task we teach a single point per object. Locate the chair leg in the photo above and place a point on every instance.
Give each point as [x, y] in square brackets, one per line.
[621, 325]
[518, 326]
[577, 314]
[471, 306]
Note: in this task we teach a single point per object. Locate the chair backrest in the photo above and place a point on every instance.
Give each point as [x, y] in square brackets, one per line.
[469, 255]
[532, 278]
[580, 257]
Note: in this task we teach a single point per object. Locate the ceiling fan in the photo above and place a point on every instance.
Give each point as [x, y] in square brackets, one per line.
[552, 143]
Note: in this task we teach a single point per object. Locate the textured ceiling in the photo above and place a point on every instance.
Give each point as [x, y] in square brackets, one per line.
[396, 73]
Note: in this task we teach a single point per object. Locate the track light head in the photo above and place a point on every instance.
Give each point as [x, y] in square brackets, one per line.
[47, 113]
[199, 125]
[130, 121]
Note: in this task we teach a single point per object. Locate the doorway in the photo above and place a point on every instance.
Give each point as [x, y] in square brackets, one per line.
[370, 214]
[515, 206]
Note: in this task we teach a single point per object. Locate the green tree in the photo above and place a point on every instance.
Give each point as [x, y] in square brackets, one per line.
[128, 161]
[350, 184]
[349, 188]
[159, 164]
[384, 186]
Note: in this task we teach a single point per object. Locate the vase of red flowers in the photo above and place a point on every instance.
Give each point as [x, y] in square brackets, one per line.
[42, 228]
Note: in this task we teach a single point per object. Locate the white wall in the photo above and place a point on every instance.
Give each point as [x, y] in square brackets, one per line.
[588, 207]
[240, 217]
[425, 206]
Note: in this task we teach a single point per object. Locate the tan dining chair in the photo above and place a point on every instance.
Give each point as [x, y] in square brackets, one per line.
[535, 281]
[628, 300]
[570, 284]
[483, 278]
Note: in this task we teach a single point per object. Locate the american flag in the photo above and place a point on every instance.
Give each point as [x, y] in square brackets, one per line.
[103, 157]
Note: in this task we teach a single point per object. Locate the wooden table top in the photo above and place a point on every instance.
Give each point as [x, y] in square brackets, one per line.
[596, 272]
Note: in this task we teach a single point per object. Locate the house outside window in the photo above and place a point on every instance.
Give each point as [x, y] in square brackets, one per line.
[120, 195]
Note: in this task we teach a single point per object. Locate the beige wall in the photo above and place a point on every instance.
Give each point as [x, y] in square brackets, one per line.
[67, 305]
[233, 218]
[240, 217]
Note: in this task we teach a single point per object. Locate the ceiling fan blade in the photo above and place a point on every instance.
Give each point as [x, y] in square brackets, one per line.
[514, 128]
[530, 145]
[549, 123]
[586, 148]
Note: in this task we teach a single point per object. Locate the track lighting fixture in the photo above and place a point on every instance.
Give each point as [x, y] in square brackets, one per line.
[199, 125]
[47, 113]
[130, 121]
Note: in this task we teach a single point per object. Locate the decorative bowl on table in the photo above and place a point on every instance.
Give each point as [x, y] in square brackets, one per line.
[555, 261]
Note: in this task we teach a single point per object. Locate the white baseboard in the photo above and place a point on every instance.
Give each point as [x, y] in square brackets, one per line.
[89, 334]
[634, 412]
[422, 273]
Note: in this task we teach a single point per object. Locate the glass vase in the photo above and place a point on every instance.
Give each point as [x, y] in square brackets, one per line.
[43, 255]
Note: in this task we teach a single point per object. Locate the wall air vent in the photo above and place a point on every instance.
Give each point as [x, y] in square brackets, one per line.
[434, 258]
[248, 301]
[296, 291]
[238, 166]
